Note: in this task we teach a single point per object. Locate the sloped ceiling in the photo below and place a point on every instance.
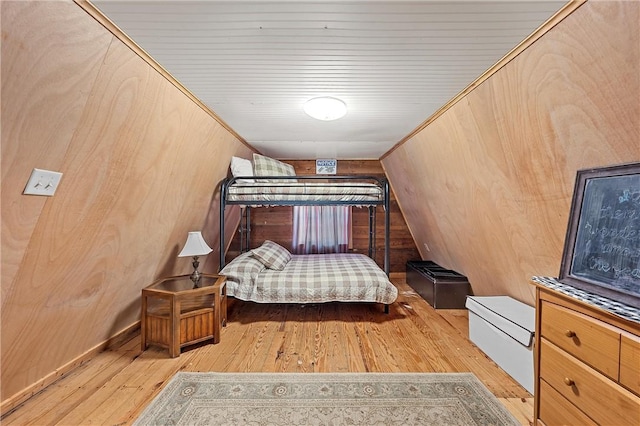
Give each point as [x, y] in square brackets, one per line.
[255, 63]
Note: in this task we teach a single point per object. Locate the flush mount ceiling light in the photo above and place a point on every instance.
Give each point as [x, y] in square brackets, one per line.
[325, 108]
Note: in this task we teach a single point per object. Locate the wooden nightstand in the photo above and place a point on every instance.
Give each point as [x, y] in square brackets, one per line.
[177, 313]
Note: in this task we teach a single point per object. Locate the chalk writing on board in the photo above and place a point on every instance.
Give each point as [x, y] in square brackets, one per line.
[607, 244]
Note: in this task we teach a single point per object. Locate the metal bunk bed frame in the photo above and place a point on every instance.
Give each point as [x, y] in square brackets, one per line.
[382, 182]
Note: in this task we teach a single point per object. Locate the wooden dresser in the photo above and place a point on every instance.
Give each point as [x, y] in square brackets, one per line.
[587, 363]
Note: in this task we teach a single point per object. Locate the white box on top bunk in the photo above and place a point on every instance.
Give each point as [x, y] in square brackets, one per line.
[503, 328]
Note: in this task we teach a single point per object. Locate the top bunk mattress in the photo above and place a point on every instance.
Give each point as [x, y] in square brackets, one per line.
[294, 192]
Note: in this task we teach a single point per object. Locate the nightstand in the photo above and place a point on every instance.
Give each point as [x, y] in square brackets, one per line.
[177, 313]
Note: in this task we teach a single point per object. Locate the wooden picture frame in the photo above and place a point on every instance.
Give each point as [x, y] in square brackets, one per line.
[602, 245]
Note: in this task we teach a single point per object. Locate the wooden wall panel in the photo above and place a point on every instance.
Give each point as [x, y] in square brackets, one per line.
[141, 164]
[486, 188]
[275, 223]
[33, 91]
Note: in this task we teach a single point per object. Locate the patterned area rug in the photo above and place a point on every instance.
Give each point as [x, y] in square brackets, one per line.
[325, 399]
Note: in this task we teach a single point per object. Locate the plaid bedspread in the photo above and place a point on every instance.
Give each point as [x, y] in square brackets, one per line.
[318, 278]
[260, 192]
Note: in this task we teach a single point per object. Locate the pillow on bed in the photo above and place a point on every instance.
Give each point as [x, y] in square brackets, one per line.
[272, 255]
[241, 167]
[265, 166]
[242, 268]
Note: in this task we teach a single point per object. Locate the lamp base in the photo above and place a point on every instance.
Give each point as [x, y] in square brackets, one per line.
[195, 275]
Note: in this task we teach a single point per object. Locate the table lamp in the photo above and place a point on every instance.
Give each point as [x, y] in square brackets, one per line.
[195, 246]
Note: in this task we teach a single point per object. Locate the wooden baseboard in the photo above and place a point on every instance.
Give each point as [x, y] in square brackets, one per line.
[12, 402]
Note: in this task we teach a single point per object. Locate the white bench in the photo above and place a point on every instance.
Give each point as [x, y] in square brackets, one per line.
[504, 329]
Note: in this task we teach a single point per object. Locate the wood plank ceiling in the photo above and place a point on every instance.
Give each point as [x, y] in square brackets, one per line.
[255, 63]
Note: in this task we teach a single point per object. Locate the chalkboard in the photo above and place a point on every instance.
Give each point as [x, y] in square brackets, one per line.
[602, 247]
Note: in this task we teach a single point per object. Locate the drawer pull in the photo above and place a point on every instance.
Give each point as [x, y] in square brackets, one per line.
[570, 333]
[569, 382]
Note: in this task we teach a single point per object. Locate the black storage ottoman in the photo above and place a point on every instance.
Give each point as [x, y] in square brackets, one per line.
[441, 287]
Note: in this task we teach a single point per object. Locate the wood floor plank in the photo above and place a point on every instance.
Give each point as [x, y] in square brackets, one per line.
[321, 340]
[521, 408]
[113, 401]
[252, 353]
[434, 340]
[410, 342]
[407, 350]
[55, 401]
[335, 355]
[306, 338]
[114, 387]
[449, 345]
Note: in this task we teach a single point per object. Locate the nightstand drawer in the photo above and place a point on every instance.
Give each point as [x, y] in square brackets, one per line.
[601, 399]
[555, 409]
[584, 337]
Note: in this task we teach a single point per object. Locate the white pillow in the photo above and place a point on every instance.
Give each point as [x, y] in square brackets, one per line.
[241, 167]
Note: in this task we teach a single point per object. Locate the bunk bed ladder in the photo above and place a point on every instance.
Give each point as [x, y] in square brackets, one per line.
[245, 229]
[387, 225]
[372, 232]
[224, 189]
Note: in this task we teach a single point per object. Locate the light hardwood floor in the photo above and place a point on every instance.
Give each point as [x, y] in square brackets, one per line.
[114, 387]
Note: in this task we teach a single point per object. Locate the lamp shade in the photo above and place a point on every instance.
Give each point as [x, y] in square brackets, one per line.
[195, 245]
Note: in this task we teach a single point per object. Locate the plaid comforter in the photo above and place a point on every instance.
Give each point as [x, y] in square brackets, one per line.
[315, 278]
[260, 192]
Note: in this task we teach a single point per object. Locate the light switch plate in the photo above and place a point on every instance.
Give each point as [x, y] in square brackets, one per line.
[42, 182]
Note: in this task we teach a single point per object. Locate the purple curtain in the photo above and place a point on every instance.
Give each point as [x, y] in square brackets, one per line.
[321, 229]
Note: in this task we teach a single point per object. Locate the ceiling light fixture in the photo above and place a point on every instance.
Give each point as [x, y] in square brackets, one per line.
[325, 108]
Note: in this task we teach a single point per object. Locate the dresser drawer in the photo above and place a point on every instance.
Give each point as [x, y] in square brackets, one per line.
[555, 409]
[584, 337]
[601, 399]
[630, 362]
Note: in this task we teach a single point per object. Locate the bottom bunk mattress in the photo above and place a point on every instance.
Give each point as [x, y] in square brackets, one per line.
[312, 278]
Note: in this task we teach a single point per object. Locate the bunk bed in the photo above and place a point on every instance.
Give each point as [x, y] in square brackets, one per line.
[270, 274]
